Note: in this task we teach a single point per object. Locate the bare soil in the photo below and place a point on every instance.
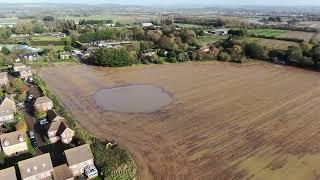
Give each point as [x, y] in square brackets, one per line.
[228, 121]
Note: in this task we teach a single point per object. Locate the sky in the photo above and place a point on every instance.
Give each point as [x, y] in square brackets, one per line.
[181, 2]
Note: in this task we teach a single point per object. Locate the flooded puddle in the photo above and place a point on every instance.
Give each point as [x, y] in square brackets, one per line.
[133, 99]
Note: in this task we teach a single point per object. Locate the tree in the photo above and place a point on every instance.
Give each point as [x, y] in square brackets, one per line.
[48, 18]
[154, 35]
[188, 36]
[21, 125]
[21, 97]
[112, 58]
[255, 51]
[67, 48]
[37, 28]
[316, 55]
[2, 158]
[17, 84]
[294, 54]
[236, 53]
[145, 45]
[5, 50]
[1, 93]
[166, 43]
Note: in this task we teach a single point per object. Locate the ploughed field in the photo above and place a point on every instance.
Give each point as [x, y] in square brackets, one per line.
[225, 121]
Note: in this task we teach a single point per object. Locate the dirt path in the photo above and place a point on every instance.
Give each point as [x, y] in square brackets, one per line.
[227, 121]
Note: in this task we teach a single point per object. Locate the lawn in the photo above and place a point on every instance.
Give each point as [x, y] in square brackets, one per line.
[48, 38]
[267, 32]
[55, 48]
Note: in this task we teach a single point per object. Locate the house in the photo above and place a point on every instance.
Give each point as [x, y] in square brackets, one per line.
[37, 168]
[43, 104]
[148, 54]
[3, 78]
[18, 66]
[8, 174]
[57, 129]
[22, 70]
[146, 24]
[7, 110]
[65, 55]
[29, 56]
[221, 32]
[79, 158]
[62, 172]
[14, 143]
[25, 73]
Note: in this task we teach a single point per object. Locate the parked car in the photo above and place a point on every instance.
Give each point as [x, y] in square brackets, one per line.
[20, 105]
[43, 122]
[30, 80]
[30, 98]
[33, 139]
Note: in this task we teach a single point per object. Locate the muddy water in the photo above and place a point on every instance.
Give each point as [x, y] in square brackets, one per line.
[132, 99]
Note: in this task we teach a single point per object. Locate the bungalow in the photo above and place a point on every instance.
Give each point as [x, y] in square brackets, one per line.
[8, 174]
[62, 172]
[220, 32]
[37, 168]
[14, 143]
[79, 159]
[148, 54]
[7, 110]
[3, 78]
[29, 56]
[146, 24]
[43, 104]
[57, 129]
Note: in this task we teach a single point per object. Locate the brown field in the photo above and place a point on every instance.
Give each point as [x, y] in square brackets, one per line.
[274, 44]
[307, 36]
[228, 121]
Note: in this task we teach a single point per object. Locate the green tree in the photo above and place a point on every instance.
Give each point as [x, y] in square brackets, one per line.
[166, 43]
[223, 56]
[67, 48]
[5, 50]
[112, 58]
[17, 84]
[294, 54]
[255, 51]
[316, 55]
